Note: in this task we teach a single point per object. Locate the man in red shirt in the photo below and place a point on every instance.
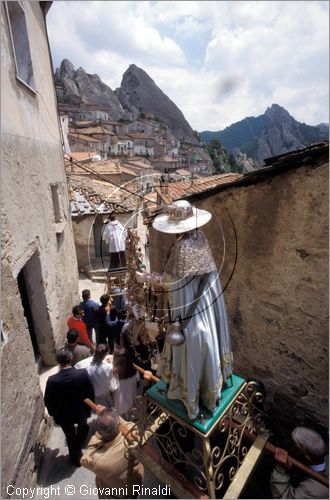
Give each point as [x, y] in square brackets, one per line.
[76, 321]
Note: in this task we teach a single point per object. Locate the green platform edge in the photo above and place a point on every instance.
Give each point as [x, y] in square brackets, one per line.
[158, 394]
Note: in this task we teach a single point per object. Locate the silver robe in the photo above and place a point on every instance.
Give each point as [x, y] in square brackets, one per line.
[196, 370]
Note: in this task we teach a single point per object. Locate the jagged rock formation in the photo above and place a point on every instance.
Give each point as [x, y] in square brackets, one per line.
[82, 87]
[275, 132]
[139, 90]
[138, 95]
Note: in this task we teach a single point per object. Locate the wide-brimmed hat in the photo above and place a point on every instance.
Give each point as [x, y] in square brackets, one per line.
[180, 217]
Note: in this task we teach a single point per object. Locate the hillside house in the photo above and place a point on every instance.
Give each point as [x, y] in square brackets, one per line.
[143, 144]
[142, 127]
[166, 165]
[124, 145]
[100, 133]
[147, 176]
[115, 127]
[159, 148]
[84, 112]
[81, 142]
[38, 262]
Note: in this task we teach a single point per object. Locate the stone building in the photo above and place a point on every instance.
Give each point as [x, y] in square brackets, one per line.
[269, 236]
[81, 142]
[81, 111]
[91, 202]
[38, 264]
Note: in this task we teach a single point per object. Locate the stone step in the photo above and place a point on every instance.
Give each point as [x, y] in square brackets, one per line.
[97, 272]
[99, 279]
[104, 278]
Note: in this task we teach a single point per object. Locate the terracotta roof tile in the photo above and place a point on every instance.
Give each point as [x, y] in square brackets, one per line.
[82, 155]
[177, 190]
[82, 137]
[92, 130]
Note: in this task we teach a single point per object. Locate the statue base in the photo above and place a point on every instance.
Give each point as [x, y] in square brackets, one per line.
[205, 419]
[209, 457]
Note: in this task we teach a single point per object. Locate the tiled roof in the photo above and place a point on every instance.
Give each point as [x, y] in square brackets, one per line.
[177, 190]
[92, 130]
[111, 122]
[82, 155]
[183, 171]
[128, 171]
[124, 137]
[136, 163]
[151, 200]
[165, 159]
[84, 123]
[89, 196]
[106, 167]
[295, 155]
[82, 137]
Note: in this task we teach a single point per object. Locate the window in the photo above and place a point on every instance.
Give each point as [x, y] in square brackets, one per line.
[56, 203]
[3, 335]
[20, 43]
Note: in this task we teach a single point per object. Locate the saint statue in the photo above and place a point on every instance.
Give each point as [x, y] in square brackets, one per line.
[195, 367]
[114, 235]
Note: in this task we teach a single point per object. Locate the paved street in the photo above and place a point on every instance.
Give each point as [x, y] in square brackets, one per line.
[56, 469]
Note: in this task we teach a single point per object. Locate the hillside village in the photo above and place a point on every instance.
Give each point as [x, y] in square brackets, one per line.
[88, 128]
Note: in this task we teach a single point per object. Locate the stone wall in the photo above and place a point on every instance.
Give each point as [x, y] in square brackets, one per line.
[276, 228]
[38, 264]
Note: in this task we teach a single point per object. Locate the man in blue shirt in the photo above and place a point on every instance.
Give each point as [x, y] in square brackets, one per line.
[90, 307]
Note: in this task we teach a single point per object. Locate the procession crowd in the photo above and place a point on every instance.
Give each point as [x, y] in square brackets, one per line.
[103, 371]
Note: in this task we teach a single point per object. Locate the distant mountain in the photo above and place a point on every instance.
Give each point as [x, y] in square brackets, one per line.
[275, 132]
[137, 96]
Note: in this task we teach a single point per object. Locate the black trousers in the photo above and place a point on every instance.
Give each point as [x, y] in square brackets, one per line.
[117, 260]
[75, 437]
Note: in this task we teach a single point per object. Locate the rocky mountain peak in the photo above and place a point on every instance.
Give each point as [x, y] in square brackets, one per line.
[81, 87]
[138, 94]
[67, 68]
[276, 113]
[272, 133]
[139, 91]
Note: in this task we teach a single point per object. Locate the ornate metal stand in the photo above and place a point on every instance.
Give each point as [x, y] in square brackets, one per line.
[207, 454]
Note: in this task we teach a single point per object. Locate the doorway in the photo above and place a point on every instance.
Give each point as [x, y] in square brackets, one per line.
[101, 248]
[35, 307]
[27, 312]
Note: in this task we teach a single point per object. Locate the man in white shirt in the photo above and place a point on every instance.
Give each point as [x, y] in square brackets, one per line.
[114, 235]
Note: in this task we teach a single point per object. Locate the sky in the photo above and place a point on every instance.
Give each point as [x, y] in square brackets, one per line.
[218, 61]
